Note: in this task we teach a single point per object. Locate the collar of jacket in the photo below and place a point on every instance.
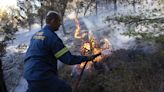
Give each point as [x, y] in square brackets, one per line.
[47, 27]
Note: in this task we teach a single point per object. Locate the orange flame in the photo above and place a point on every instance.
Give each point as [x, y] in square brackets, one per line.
[90, 47]
[77, 33]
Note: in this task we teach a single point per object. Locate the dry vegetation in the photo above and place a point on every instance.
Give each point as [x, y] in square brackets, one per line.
[128, 71]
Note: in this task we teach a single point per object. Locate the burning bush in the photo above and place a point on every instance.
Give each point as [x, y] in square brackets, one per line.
[125, 72]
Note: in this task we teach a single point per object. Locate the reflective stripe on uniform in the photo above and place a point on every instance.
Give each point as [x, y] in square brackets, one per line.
[61, 52]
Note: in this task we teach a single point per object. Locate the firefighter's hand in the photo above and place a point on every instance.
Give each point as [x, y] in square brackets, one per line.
[90, 58]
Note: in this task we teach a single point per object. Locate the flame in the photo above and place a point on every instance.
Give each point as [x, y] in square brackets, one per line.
[89, 65]
[87, 46]
[96, 51]
[90, 47]
[77, 33]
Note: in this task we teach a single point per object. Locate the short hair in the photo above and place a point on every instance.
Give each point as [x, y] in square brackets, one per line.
[52, 15]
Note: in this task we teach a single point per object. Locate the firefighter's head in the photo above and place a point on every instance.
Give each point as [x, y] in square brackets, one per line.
[53, 19]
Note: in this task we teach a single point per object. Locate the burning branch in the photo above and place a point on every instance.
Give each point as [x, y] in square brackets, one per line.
[88, 48]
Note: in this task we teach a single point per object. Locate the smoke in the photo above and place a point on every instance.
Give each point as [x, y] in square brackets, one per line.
[111, 31]
[72, 15]
[101, 32]
[120, 41]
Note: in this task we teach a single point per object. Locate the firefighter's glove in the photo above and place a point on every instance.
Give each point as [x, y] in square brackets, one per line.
[90, 58]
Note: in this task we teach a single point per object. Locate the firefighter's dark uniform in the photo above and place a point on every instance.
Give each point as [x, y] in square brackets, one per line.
[40, 69]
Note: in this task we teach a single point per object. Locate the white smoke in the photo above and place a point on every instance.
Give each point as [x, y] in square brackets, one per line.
[72, 15]
[111, 31]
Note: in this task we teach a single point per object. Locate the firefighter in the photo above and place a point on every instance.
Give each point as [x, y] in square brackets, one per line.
[40, 68]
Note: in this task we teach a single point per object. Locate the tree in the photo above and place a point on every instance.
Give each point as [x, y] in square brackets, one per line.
[89, 4]
[2, 82]
[41, 14]
[27, 10]
[8, 23]
[8, 26]
[133, 22]
[55, 5]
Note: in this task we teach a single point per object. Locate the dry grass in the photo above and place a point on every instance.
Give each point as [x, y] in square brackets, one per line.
[128, 71]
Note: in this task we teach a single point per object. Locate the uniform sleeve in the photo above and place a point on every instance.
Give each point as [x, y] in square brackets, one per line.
[62, 53]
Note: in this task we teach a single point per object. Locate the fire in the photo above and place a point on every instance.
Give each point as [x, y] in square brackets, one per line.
[86, 46]
[90, 47]
[96, 51]
[77, 33]
[89, 65]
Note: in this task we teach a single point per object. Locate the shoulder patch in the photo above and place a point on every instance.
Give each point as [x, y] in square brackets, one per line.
[39, 33]
[39, 36]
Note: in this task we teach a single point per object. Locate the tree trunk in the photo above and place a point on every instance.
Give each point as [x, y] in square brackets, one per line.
[29, 24]
[88, 7]
[41, 13]
[115, 4]
[2, 82]
[63, 13]
[64, 30]
[96, 7]
[134, 5]
[77, 11]
[41, 21]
